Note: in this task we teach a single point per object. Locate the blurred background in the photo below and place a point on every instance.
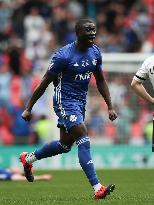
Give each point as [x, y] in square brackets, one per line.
[30, 31]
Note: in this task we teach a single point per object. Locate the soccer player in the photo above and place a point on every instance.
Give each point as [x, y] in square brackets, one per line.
[145, 71]
[70, 70]
[15, 174]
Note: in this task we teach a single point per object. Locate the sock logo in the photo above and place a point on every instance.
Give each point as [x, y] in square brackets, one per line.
[90, 162]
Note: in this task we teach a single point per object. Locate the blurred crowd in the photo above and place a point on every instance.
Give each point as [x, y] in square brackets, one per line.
[30, 31]
[134, 122]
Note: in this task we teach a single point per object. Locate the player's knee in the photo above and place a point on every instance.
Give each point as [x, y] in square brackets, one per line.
[65, 148]
[78, 131]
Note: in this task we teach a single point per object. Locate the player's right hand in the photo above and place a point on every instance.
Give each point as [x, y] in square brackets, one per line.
[27, 115]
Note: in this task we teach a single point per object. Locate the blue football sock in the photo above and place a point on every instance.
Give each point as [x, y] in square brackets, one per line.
[51, 149]
[85, 159]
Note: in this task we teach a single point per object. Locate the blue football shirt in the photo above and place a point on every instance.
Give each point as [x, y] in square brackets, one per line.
[73, 70]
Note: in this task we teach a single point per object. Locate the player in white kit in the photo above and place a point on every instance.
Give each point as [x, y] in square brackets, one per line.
[144, 72]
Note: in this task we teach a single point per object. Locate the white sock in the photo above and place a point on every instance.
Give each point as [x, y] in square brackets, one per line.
[97, 187]
[30, 158]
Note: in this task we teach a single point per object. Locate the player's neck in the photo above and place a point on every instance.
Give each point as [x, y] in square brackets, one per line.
[81, 47]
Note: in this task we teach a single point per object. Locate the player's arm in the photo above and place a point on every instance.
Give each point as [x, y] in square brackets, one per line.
[38, 92]
[104, 91]
[55, 67]
[140, 77]
[141, 91]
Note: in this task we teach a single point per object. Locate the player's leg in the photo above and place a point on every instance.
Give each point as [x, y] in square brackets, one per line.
[85, 160]
[15, 170]
[18, 177]
[48, 150]
[43, 177]
[66, 138]
[8, 176]
[55, 147]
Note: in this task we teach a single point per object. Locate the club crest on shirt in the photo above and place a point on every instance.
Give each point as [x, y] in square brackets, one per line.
[94, 61]
[85, 63]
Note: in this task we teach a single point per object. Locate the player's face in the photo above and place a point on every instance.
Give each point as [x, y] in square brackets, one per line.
[87, 34]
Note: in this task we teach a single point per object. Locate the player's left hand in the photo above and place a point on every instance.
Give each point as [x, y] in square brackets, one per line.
[112, 115]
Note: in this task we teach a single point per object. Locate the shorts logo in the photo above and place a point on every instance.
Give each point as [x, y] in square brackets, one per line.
[73, 118]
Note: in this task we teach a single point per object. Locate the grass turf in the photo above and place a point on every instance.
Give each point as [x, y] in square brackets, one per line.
[133, 187]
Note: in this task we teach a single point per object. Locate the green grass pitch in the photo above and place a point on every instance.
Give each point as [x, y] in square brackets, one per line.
[133, 187]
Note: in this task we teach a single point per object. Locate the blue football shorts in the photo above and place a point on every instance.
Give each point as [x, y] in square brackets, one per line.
[70, 113]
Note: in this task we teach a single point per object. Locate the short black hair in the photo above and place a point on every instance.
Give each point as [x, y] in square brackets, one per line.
[80, 23]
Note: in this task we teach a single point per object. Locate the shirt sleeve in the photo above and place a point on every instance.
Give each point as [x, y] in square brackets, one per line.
[57, 64]
[142, 73]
